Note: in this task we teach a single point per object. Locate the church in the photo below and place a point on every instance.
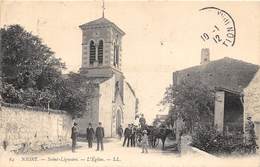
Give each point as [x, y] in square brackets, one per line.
[115, 102]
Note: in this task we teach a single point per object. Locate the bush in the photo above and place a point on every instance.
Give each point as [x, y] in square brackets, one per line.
[211, 141]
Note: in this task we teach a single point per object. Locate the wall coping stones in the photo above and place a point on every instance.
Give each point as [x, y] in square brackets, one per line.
[33, 108]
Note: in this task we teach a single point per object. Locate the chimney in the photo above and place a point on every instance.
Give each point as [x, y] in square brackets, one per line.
[204, 56]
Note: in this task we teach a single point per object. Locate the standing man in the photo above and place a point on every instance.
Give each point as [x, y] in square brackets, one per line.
[90, 135]
[127, 135]
[99, 136]
[74, 135]
[133, 131]
[142, 121]
[250, 136]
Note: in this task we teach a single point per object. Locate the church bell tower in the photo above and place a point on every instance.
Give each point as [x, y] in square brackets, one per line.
[101, 48]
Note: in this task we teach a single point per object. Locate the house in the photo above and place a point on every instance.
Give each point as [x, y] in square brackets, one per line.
[252, 103]
[229, 78]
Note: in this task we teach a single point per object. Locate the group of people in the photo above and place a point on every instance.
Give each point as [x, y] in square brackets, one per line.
[130, 135]
[91, 134]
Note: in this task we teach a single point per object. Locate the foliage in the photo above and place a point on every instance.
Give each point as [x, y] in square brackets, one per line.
[27, 62]
[32, 75]
[211, 141]
[193, 102]
[76, 94]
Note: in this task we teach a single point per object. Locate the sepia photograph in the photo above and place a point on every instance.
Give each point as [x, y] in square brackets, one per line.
[119, 83]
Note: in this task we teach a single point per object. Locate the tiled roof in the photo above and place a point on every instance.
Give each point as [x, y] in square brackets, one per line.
[102, 21]
[226, 73]
[95, 80]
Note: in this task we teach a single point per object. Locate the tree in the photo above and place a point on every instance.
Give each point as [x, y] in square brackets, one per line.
[26, 59]
[78, 93]
[32, 75]
[29, 66]
[193, 102]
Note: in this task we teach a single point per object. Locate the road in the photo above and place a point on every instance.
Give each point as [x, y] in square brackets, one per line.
[116, 155]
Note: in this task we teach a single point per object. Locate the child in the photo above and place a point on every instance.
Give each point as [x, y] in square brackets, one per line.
[144, 142]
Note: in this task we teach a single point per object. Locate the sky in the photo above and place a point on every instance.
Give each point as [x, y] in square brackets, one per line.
[161, 36]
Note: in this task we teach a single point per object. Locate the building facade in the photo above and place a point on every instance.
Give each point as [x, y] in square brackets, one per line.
[252, 103]
[115, 102]
[228, 78]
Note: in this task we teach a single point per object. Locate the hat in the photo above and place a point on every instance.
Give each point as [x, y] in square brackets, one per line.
[145, 131]
[249, 117]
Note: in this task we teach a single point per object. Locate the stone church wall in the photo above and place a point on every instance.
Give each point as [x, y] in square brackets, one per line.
[130, 106]
[25, 129]
[91, 115]
[252, 103]
[105, 105]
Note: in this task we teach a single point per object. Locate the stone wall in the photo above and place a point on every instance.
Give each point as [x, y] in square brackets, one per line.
[25, 129]
[252, 103]
[91, 115]
[107, 90]
[130, 105]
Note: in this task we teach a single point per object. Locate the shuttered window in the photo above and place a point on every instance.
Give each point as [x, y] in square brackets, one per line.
[92, 52]
[100, 52]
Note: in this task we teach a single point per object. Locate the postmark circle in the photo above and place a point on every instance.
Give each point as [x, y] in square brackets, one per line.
[223, 31]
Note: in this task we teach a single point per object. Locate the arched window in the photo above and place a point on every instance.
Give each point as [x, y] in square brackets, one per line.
[116, 55]
[92, 52]
[117, 86]
[100, 52]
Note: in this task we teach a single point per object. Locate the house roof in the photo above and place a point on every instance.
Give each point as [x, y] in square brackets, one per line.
[227, 73]
[102, 22]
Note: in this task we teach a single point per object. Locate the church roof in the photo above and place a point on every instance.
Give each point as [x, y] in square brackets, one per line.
[130, 87]
[95, 80]
[102, 21]
[225, 73]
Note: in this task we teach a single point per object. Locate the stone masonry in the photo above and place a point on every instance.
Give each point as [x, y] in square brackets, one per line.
[24, 129]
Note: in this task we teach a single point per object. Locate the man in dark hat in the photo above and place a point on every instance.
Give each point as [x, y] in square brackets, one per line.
[90, 135]
[74, 135]
[127, 135]
[132, 136]
[99, 136]
[142, 121]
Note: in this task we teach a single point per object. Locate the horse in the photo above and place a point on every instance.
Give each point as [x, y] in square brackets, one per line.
[156, 134]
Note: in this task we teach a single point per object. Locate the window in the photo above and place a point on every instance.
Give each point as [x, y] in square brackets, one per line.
[116, 55]
[116, 87]
[92, 52]
[100, 52]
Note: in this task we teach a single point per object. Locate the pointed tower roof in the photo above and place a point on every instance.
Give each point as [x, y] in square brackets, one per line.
[101, 22]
